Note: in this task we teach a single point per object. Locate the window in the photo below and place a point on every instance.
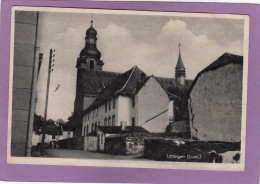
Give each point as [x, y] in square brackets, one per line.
[109, 121]
[133, 101]
[69, 135]
[109, 105]
[84, 131]
[91, 64]
[105, 122]
[92, 128]
[133, 121]
[87, 130]
[101, 138]
[106, 107]
[114, 103]
[96, 126]
[93, 114]
[99, 123]
[53, 136]
[113, 120]
[96, 112]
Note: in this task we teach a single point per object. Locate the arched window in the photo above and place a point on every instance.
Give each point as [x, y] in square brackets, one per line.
[133, 121]
[109, 121]
[105, 122]
[113, 120]
[114, 103]
[91, 64]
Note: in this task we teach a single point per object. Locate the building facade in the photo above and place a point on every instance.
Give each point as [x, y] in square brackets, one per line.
[109, 99]
[215, 101]
[25, 71]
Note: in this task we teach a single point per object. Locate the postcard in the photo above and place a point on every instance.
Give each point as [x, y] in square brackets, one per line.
[109, 88]
[128, 88]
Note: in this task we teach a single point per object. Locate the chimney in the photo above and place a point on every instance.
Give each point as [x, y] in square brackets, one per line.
[123, 125]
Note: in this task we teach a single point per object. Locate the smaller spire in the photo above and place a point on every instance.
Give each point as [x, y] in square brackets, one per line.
[180, 65]
[180, 69]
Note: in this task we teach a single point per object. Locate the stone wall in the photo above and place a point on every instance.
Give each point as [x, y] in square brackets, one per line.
[125, 145]
[215, 105]
[76, 143]
[178, 127]
[90, 143]
[181, 150]
[134, 146]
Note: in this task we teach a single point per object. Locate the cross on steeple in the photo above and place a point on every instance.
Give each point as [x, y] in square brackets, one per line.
[179, 46]
[91, 19]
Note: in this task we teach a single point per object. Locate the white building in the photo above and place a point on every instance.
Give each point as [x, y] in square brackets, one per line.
[133, 98]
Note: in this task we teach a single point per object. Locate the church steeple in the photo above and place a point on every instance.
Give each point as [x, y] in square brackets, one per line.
[90, 54]
[180, 72]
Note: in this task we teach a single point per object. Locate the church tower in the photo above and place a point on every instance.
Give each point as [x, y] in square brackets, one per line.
[180, 72]
[88, 63]
[90, 56]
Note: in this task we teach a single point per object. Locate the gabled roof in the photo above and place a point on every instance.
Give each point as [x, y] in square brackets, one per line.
[124, 84]
[223, 60]
[94, 81]
[127, 84]
[118, 129]
[169, 83]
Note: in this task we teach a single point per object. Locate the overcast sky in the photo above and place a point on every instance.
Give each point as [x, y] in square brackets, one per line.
[151, 42]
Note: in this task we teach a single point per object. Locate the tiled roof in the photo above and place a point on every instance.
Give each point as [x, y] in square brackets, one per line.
[223, 60]
[118, 129]
[94, 81]
[169, 83]
[126, 84]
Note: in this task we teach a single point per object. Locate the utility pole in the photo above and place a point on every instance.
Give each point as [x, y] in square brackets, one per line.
[50, 69]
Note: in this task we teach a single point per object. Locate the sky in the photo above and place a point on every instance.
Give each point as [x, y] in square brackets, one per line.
[148, 41]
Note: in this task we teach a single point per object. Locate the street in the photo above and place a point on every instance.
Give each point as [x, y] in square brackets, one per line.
[66, 153]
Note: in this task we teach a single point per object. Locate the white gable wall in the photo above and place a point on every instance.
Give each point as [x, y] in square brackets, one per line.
[125, 110]
[152, 100]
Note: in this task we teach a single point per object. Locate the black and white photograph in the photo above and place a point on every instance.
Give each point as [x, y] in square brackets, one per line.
[124, 88]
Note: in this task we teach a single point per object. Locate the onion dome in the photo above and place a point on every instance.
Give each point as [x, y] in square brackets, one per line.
[90, 51]
[91, 32]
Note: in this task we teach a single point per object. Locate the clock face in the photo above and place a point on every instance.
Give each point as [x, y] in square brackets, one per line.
[91, 40]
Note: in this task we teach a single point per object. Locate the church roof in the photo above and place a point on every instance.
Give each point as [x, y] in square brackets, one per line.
[94, 81]
[126, 84]
[223, 60]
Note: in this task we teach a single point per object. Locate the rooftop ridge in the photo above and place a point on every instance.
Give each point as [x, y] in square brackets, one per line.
[127, 79]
